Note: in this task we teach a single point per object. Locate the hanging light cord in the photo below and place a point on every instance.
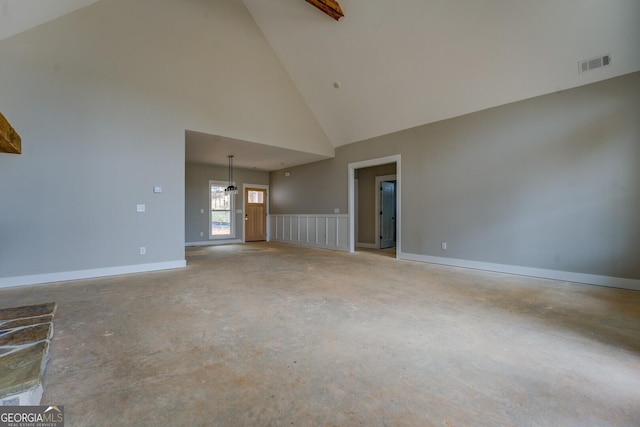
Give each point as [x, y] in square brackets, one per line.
[231, 189]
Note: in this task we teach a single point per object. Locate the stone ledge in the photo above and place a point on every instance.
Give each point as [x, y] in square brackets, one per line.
[25, 333]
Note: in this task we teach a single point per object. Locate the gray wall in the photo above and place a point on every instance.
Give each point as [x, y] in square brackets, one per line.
[550, 182]
[101, 98]
[315, 188]
[197, 194]
[367, 209]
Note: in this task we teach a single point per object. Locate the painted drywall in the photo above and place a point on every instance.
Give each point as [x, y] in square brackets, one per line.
[548, 183]
[197, 196]
[402, 64]
[20, 15]
[367, 209]
[315, 188]
[101, 98]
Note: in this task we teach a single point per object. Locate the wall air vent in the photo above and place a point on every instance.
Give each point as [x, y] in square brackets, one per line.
[593, 63]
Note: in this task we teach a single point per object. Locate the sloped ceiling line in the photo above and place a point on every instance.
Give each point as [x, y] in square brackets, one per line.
[406, 64]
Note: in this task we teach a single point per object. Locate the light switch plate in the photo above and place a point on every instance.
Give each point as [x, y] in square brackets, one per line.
[157, 189]
[141, 207]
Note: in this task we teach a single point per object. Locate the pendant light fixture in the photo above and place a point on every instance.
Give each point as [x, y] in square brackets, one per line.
[231, 189]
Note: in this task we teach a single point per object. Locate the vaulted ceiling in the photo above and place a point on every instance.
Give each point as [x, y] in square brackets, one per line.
[392, 65]
[400, 64]
[20, 15]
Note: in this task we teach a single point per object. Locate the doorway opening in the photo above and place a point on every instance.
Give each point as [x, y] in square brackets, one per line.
[374, 206]
[385, 214]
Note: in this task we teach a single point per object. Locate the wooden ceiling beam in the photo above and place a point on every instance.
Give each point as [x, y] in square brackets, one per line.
[10, 141]
[330, 7]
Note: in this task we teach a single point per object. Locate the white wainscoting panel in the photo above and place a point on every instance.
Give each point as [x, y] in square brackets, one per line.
[328, 231]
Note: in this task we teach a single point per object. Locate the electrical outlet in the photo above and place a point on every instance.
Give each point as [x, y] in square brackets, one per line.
[143, 250]
[141, 207]
[444, 246]
[201, 234]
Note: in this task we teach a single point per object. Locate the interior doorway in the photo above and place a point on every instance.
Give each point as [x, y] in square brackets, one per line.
[365, 219]
[385, 212]
[255, 213]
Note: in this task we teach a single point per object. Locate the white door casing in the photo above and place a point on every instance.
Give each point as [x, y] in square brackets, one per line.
[351, 194]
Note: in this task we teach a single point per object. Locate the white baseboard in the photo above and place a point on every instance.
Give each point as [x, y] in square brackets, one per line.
[567, 276]
[213, 242]
[37, 279]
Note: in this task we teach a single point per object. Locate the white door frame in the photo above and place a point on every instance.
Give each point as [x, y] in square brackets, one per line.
[244, 191]
[352, 202]
[380, 179]
[355, 210]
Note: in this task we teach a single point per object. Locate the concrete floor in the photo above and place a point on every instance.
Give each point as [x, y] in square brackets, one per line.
[274, 335]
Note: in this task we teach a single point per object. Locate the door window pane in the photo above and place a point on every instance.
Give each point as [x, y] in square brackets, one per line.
[256, 196]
